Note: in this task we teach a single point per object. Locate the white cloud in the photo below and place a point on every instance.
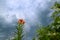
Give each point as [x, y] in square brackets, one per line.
[25, 9]
[22, 8]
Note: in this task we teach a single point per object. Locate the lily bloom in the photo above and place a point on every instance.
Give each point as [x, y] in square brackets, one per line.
[21, 21]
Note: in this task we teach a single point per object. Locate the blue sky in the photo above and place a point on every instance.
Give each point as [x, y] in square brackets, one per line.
[34, 12]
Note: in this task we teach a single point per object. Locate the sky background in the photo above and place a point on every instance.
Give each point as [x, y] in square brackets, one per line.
[34, 12]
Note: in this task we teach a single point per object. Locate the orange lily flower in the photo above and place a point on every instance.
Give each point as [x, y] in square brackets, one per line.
[21, 21]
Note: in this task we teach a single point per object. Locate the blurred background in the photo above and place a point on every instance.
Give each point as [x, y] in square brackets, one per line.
[34, 12]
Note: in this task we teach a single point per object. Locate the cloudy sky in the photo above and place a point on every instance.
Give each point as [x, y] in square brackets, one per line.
[34, 12]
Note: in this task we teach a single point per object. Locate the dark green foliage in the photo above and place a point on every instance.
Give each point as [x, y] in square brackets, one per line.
[52, 31]
[57, 5]
[33, 38]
